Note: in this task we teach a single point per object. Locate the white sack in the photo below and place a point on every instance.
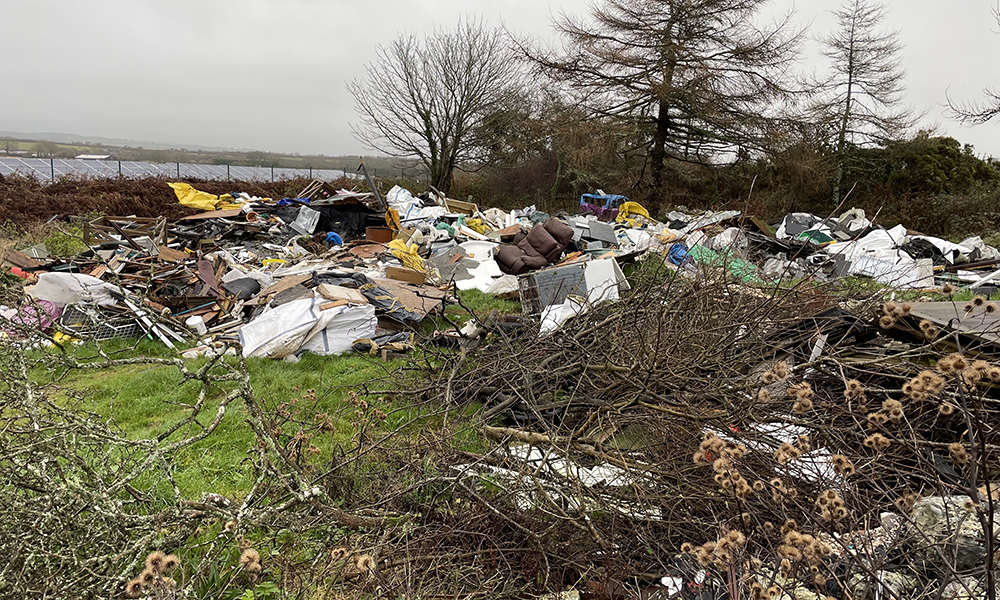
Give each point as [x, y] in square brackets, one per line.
[283, 331]
[73, 288]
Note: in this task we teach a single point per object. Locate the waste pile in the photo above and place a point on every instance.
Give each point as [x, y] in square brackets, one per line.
[334, 270]
[732, 415]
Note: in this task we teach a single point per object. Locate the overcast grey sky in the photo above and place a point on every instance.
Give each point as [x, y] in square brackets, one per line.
[270, 74]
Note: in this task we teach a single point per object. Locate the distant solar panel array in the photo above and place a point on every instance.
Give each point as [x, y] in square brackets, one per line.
[45, 169]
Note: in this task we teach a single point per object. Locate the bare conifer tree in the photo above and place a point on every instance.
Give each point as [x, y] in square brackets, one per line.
[431, 99]
[699, 75]
[862, 97]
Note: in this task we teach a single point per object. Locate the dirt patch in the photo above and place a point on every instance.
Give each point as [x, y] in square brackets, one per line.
[25, 201]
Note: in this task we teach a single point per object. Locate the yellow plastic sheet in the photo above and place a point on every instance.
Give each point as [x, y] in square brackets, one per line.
[476, 225]
[408, 255]
[629, 209]
[188, 196]
[392, 219]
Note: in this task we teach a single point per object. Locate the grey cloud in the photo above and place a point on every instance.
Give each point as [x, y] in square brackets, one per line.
[271, 74]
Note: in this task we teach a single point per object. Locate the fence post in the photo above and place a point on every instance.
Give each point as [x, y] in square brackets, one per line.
[272, 172]
[227, 172]
[178, 170]
[52, 169]
[310, 172]
[119, 169]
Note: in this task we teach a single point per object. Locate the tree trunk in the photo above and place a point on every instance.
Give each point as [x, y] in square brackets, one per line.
[658, 153]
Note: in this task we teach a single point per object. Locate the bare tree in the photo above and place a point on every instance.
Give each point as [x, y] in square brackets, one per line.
[977, 113]
[699, 75]
[863, 94]
[430, 99]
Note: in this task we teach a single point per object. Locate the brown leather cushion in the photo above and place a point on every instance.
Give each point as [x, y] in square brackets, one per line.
[559, 231]
[540, 246]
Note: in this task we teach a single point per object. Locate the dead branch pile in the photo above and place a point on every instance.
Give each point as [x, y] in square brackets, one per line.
[695, 412]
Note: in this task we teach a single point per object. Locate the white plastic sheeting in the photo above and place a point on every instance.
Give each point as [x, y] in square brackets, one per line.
[73, 288]
[411, 209]
[300, 325]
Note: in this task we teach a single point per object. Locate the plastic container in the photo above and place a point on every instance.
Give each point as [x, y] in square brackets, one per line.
[196, 324]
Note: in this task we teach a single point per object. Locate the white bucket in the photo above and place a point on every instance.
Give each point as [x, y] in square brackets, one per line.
[197, 324]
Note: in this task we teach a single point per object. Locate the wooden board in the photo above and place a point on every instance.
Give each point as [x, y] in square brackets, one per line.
[206, 273]
[171, 255]
[420, 299]
[278, 286]
[19, 259]
[952, 316]
[213, 214]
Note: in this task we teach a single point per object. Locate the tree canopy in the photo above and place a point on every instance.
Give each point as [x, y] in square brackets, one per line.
[437, 98]
[701, 76]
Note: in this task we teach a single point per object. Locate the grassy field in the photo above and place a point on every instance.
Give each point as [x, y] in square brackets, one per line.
[142, 400]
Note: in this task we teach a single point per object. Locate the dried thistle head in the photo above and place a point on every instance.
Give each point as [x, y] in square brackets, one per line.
[990, 308]
[946, 409]
[878, 418]
[147, 577]
[958, 453]
[802, 406]
[889, 308]
[886, 322]
[978, 301]
[877, 441]
[842, 466]
[768, 377]
[763, 395]
[133, 589]
[956, 361]
[248, 557]
[170, 562]
[780, 370]
[947, 289]
[339, 553]
[154, 561]
[893, 409]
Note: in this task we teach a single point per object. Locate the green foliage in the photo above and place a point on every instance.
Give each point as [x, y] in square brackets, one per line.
[923, 165]
[65, 243]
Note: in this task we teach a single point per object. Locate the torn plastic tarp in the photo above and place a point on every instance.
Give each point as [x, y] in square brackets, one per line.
[555, 315]
[190, 197]
[300, 325]
[73, 288]
[379, 297]
[410, 209]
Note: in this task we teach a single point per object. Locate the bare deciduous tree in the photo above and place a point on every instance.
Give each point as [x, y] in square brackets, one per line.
[977, 113]
[699, 75]
[429, 99]
[863, 94]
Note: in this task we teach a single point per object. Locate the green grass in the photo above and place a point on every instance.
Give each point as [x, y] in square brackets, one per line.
[142, 400]
[482, 303]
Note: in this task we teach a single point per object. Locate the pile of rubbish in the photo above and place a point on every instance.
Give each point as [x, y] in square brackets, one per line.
[331, 271]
